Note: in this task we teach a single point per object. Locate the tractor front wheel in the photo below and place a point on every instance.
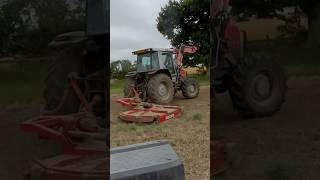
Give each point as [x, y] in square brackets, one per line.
[190, 88]
[160, 89]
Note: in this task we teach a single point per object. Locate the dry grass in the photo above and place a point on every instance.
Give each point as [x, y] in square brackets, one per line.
[188, 135]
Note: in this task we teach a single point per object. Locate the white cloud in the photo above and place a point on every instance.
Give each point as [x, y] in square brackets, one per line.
[134, 26]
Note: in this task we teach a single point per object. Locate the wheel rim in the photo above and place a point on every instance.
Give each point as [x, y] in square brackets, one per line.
[192, 89]
[163, 91]
[261, 87]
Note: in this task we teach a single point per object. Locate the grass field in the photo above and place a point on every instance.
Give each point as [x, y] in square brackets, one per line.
[21, 83]
[188, 134]
[297, 59]
[116, 86]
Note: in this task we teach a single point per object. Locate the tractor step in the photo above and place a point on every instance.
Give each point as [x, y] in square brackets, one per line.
[147, 112]
[152, 160]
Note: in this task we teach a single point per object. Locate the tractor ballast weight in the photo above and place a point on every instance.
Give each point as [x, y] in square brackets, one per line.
[159, 75]
[256, 84]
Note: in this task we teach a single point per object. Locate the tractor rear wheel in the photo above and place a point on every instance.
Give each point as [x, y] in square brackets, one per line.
[160, 89]
[258, 87]
[63, 62]
[127, 89]
[190, 88]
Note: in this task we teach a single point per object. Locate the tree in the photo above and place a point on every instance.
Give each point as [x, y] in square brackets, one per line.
[186, 21]
[269, 8]
[28, 26]
[119, 68]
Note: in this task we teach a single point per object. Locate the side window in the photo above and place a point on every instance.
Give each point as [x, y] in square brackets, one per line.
[168, 62]
[146, 63]
[155, 61]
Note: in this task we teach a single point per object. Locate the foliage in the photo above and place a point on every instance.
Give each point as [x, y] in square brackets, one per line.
[270, 8]
[28, 26]
[118, 69]
[186, 21]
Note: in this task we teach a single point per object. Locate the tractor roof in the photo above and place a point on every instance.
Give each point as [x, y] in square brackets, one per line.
[143, 51]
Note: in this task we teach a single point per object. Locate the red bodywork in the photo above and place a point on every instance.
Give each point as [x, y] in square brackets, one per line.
[218, 157]
[146, 112]
[218, 6]
[228, 31]
[233, 36]
[179, 57]
[79, 160]
[83, 144]
[230, 36]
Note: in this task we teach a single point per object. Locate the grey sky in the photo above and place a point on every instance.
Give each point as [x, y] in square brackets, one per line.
[133, 26]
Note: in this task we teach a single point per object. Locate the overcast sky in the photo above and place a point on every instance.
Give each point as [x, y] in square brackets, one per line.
[133, 26]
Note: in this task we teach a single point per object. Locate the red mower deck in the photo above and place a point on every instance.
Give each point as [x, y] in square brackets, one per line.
[147, 112]
[83, 148]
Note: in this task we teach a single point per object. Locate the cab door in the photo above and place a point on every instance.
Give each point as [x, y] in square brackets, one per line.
[168, 62]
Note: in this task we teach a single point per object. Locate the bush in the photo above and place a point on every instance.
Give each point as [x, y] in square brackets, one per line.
[119, 69]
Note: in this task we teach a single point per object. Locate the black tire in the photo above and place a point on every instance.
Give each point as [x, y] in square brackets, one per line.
[258, 87]
[127, 91]
[160, 89]
[190, 88]
[63, 62]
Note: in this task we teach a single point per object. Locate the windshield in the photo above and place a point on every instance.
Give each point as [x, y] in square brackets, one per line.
[147, 62]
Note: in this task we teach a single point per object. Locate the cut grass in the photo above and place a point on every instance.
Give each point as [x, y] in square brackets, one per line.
[197, 116]
[188, 137]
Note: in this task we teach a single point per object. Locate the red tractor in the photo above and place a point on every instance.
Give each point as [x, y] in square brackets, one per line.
[160, 74]
[256, 84]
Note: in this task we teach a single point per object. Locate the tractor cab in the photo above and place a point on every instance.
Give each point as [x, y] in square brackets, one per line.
[151, 60]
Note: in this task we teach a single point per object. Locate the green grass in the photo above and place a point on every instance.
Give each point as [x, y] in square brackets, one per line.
[197, 116]
[21, 83]
[116, 86]
[296, 58]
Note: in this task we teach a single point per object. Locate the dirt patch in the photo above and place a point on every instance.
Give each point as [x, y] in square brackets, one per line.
[285, 146]
[188, 135]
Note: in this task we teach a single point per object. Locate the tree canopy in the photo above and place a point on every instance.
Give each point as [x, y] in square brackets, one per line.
[271, 8]
[186, 21]
[28, 26]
